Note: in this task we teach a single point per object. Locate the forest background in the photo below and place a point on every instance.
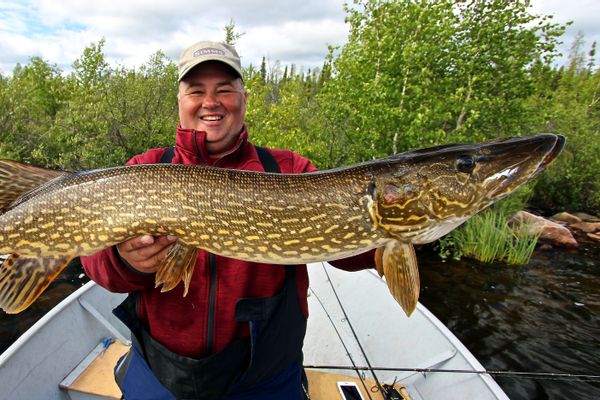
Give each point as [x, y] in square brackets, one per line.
[412, 74]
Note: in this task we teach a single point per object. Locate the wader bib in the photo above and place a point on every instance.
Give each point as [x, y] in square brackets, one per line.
[267, 365]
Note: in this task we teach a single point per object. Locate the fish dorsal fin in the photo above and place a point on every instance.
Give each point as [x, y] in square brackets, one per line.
[399, 264]
[23, 279]
[17, 178]
[177, 266]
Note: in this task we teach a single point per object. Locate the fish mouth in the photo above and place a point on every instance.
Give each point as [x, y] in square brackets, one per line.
[522, 159]
[552, 155]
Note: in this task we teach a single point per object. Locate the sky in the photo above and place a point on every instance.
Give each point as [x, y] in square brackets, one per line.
[288, 31]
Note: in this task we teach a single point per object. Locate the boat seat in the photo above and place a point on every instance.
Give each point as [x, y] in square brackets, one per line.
[94, 378]
[323, 386]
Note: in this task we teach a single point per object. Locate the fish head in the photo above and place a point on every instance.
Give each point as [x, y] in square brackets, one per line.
[427, 193]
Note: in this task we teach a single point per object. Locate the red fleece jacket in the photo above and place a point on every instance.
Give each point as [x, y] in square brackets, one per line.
[180, 323]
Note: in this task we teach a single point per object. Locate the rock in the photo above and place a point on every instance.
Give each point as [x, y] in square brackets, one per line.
[587, 227]
[586, 217]
[594, 236]
[550, 232]
[566, 217]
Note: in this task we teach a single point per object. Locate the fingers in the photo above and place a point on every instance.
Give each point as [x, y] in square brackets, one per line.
[145, 242]
[151, 263]
[145, 253]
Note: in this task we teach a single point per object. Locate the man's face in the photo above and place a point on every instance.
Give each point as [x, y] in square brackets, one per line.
[212, 99]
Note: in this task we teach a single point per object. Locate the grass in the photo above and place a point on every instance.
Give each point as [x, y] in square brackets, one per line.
[487, 237]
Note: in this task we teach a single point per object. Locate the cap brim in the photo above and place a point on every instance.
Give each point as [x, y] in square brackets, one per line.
[190, 67]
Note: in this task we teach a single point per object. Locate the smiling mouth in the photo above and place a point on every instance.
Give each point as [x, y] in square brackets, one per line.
[211, 118]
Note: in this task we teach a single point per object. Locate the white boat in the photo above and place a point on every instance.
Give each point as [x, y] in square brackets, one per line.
[354, 323]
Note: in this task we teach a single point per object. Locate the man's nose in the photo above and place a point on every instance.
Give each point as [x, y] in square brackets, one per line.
[210, 99]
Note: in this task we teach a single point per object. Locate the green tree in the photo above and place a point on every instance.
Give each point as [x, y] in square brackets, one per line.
[113, 114]
[142, 106]
[570, 101]
[29, 102]
[285, 123]
[417, 72]
[78, 137]
[231, 35]
[413, 73]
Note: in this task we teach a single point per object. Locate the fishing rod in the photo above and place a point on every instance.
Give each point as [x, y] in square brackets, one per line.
[505, 373]
[348, 353]
[358, 342]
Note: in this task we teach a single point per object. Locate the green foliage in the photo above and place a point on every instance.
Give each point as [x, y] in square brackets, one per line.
[413, 73]
[231, 35]
[94, 117]
[281, 108]
[29, 102]
[569, 101]
[488, 237]
[517, 201]
[417, 73]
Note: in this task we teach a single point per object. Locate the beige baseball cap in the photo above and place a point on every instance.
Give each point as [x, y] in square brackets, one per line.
[208, 51]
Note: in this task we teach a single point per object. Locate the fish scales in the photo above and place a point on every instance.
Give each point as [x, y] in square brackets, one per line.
[233, 213]
[49, 217]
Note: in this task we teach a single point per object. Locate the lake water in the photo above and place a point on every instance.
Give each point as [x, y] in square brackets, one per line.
[543, 317]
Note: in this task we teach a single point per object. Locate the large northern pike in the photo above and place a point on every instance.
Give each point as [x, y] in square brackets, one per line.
[49, 217]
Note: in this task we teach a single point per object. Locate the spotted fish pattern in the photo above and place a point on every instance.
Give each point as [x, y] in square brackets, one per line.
[49, 217]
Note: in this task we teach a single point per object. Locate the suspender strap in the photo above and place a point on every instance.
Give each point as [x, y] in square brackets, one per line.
[266, 158]
[167, 156]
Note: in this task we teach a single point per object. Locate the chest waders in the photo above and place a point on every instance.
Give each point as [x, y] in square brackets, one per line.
[267, 365]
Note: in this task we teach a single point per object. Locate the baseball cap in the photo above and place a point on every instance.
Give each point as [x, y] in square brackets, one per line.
[208, 51]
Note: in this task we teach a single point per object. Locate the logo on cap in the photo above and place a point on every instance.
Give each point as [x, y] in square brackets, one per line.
[208, 50]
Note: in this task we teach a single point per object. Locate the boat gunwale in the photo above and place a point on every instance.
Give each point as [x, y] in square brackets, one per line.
[64, 304]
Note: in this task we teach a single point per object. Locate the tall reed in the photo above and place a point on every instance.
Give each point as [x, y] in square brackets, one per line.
[487, 237]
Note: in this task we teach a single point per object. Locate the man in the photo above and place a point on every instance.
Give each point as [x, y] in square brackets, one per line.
[238, 333]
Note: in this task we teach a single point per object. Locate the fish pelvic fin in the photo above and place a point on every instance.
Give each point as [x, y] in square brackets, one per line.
[17, 178]
[23, 279]
[176, 267]
[399, 264]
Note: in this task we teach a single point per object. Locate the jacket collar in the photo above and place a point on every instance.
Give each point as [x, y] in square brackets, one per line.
[193, 143]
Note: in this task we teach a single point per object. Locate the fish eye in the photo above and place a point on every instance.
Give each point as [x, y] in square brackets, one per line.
[465, 164]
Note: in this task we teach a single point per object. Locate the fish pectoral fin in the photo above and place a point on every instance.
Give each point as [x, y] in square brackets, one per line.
[176, 267]
[23, 279]
[379, 260]
[402, 274]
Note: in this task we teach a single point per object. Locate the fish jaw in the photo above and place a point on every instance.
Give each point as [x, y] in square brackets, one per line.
[427, 194]
[520, 160]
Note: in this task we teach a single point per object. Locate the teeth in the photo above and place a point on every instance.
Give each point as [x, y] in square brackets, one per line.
[212, 118]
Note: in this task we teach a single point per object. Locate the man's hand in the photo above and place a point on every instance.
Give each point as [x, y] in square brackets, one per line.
[145, 253]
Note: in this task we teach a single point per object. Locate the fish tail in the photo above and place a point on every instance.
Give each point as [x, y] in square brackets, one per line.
[23, 279]
[16, 179]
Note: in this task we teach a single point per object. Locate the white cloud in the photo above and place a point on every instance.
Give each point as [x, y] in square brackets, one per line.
[289, 31]
[585, 15]
[300, 43]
